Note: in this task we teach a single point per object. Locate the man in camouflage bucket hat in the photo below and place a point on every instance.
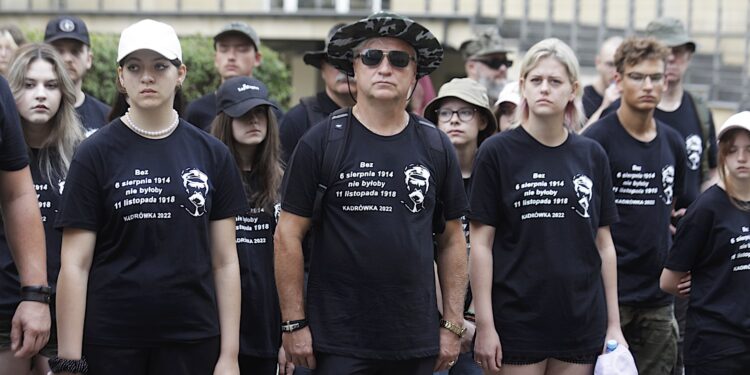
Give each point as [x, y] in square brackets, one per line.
[487, 61]
[371, 298]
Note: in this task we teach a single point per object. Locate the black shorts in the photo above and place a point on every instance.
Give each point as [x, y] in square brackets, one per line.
[194, 358]
[520, 359]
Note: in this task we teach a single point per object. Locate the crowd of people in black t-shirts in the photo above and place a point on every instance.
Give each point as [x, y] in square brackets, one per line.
[498, 227]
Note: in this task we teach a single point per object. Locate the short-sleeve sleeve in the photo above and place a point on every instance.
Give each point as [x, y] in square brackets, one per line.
[229, 198]
[13, 154]
[80, 206]
[690, 240]
[485, 193]
[301, 177]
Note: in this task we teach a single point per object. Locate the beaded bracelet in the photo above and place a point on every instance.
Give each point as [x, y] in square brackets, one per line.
[73, 366]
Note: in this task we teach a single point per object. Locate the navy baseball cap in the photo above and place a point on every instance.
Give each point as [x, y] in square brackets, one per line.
[67, 27]
[238, 95]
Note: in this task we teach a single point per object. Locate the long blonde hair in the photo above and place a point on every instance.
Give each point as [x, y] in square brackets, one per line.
[557, 49]
[66, 131]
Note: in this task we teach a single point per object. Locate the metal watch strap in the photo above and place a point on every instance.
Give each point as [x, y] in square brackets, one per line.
[454, 328]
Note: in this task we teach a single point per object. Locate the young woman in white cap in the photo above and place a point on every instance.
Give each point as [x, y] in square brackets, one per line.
[248, 126]
[45, 98]
[543, 266]
[149, 282]
[462, 111]
[710, 262]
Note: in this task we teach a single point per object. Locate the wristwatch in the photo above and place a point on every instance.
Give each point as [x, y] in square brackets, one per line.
[455, 328]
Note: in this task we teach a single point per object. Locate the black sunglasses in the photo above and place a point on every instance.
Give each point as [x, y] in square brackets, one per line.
[496, 63]
[373, 57]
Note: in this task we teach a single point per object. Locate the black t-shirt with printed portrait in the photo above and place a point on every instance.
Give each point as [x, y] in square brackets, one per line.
[713, 243]
[48, 195]
[685, 120]
[150, 202]
[371, 287]
[260, 332]
[93, 114]
[546, 205]
[647, 177]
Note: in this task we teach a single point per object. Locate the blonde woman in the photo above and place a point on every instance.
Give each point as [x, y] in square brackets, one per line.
[45, 99]
[543, 270]
[150, 281]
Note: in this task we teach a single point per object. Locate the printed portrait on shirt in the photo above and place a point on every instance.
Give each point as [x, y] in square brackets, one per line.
[694, 147]
[417, 178]
[583, 187]
[667, 182]
[196, 187]
[60, 186]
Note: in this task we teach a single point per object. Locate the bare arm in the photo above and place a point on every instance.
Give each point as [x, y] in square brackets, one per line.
[226, 271]
[452, 277]
[25, 234]
[77, 252]
[487, 349]
[607, 253]
[289, 271]
[675, 282]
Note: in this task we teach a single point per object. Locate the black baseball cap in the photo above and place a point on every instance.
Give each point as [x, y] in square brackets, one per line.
[238, 95]
[67, 27]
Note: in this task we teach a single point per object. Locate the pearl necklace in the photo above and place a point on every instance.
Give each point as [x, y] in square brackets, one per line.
[149, 133]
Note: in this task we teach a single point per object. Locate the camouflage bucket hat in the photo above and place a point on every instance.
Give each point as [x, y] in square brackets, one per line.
[384, 24]
[670, 31]
[486, 43]
[471, 92]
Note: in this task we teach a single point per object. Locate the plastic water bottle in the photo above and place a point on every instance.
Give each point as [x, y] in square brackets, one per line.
[611, 346]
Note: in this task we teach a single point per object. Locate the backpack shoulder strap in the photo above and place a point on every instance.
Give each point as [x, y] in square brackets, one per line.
[429, 134]
[337, 134]
[703, 113]
[312, 108]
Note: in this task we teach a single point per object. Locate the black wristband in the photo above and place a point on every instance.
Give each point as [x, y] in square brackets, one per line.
[73, 366]
[36, 293]
[293, 325]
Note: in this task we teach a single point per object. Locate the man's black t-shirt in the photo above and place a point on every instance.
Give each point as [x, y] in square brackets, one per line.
[150, 202]
[713, 243]
[13, 154]
[591, 100]
[546, 205]
[296, 122]
[685, 120]
[646, 179]
[371, 287]
[93, 114]
[260, 332]
[48, 194]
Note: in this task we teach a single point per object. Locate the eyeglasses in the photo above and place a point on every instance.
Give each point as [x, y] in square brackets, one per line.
[640, 77]
[464, 114]
[496, 63]
[373, 57]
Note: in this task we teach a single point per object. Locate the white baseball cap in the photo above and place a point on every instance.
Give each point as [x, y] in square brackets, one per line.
[152, 35]
[736, 121]
[510, 93]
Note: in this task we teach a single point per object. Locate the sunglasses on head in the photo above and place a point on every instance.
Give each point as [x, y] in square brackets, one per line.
[496, 63]
[373, 57]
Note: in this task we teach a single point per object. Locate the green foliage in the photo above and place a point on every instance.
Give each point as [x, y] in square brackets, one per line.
[198, 56]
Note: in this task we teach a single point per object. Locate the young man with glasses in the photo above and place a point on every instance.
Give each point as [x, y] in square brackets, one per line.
[487, 61]
[648, 165]
[371, 303]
